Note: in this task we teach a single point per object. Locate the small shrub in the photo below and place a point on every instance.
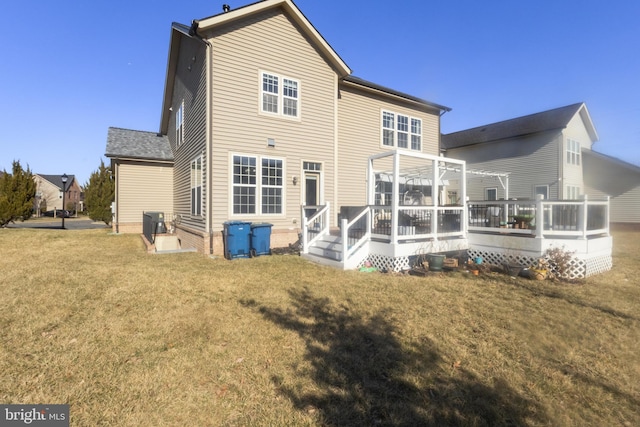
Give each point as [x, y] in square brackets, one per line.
[560, 261]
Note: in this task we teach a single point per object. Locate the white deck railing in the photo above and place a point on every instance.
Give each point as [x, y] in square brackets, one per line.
[314, 227]
[540, 218]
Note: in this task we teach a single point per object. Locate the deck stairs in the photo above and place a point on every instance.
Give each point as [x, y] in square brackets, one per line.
[329, 250]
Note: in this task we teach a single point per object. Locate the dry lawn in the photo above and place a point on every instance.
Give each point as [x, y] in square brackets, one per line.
[131, 339]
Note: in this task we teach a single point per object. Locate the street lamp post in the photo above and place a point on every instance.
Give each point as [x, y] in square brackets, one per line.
[64, 178]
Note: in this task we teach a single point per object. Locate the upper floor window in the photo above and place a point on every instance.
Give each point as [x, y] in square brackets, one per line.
[573, 152]
[280, 95]
[180, 124]
[401, 131]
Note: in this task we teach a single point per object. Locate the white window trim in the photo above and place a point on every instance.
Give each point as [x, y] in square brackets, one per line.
[396, 130]
[545, 186]
[258, 186]
[180, 124]
[281, 96]
[192, 186]
[573, 152]
[486, 193]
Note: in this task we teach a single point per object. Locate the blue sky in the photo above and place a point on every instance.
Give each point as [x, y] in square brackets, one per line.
[71, 68]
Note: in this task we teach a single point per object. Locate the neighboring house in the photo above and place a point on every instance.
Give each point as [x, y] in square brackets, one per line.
[49, 190]
[548, 153]
[260, 116]
[542, 153]
[608, 176]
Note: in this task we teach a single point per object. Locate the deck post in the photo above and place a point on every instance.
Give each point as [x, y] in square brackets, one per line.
[305, 243]
[582, 216]
[539, 216]
[607, 215]
[396, 197]
[344, 235]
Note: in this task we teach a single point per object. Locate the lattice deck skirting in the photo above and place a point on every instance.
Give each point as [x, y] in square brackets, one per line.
[579, 268]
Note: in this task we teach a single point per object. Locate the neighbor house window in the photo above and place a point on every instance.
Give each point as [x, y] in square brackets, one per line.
[280, 95]
[257, 196]
[573, 192]
[180, 124]
[543, 190]
[401, 131]
[416, 134]
[491, 194]
[573, 152]
[196, 186]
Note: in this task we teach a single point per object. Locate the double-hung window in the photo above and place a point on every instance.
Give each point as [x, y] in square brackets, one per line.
[258, 185]
[401, 131]
[573, 152]
[196, 186]
[279, 95]
[180, 124]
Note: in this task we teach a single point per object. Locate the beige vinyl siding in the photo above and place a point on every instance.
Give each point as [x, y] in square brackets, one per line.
[530, 160]
[269, 42]
[190, 86]
[141, 188]
[359, 131]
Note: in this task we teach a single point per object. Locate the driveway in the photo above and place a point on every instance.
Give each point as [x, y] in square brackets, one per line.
[50, 223]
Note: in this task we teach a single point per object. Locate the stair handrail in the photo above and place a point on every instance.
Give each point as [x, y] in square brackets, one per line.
[346, 225]
[322, 212]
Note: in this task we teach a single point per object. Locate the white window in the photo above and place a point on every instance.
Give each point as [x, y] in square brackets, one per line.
[401, 131]
[180, 124]
[573, 152]
[416, 134]
[543, 190]
[491, 194]
[279, 95]
[573, 192]
[196, 186]
[388, 129]
[257, 196]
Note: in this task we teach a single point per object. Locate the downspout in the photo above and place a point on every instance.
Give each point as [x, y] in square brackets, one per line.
[193, 32]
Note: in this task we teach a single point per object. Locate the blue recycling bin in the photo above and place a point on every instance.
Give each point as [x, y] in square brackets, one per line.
[261, 239]
[237, 239]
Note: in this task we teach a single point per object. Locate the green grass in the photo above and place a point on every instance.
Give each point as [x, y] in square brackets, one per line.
[131, 339]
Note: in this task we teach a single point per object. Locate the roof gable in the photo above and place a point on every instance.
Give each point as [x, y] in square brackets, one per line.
[56, 180]
[557, 118]
[135, 144]
[203, 25]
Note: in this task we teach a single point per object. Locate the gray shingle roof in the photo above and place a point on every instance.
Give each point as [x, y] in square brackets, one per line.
[557, 118]
[57, 179]
[135, 144]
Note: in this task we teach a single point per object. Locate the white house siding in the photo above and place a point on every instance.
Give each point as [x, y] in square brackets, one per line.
[572, 174]
[269, 42]
[611, 178]
[142, 187]
[626, 207]
[190, 86]
[359, 133]
[530, 160]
